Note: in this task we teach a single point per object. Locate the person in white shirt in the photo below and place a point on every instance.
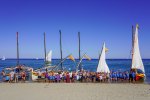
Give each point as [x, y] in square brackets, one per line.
[12, 73]
[101, 78]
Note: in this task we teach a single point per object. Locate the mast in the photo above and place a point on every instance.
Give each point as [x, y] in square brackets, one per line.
[132, 43]
[79, 63]
[61, 49]
[45, 47]
[99, 56]
[79, 50]
[17, 49]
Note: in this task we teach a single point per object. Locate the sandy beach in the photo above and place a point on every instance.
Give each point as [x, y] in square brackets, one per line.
[74, 91]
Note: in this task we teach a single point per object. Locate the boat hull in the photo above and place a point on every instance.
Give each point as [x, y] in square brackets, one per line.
[140, 77]
[34, 76]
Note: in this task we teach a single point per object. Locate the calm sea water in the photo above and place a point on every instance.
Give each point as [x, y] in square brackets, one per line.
[114, 64]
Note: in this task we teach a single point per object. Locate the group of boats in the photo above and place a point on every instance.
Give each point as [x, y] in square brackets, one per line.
[136, 65]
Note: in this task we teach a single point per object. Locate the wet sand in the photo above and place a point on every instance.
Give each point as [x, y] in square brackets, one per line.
[74, 91]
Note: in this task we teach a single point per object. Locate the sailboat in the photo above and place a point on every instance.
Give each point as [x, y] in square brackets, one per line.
[102, 65]
[37, 58]
[49, 57]
[3, 58]
[137, 64]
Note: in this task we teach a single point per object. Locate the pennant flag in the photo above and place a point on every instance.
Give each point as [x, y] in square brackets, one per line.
[71, 57]
[106, 49]
[87, 57]
[137, 25]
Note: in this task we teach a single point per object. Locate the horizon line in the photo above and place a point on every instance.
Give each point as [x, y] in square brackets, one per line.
[75, 58]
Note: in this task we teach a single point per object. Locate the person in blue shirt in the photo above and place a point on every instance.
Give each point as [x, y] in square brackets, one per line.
[121, 76]
[127, 75]
[133, 76]
[117, 75]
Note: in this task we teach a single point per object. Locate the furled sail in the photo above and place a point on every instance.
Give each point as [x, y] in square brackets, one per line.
[102, 65]
[49, 56]
[136, 57]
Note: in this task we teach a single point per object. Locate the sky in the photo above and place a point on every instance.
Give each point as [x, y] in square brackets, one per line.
[98, 21]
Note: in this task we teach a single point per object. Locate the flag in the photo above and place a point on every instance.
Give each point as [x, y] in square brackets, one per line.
[137, 25]
[87, 57]
[71, 57]
[106, 49]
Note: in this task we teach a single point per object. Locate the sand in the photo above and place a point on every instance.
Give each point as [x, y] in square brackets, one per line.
[74, 91]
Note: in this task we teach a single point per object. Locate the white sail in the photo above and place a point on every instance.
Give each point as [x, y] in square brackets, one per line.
[136, 58]
[3, 58]
[102, 65]
[49, 56]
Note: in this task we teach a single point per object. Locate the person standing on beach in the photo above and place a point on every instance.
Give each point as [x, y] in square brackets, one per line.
[133, 76]
[3, 75]
[101, 77]
[16, 77]
[130, 76]
[67, 78]
[23, 74]
[39, 74]
[46, 75]
[12, 73]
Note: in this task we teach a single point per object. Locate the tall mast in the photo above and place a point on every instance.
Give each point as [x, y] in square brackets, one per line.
[45, 47]
[79, 50]
[17, 49]
[132, 43]
[61, 49]
[100, 55]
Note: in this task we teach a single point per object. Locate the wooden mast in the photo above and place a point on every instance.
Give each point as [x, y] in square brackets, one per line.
[132, 43]
[17, 49]
[79, 50]
[44, 48]
[61, 49]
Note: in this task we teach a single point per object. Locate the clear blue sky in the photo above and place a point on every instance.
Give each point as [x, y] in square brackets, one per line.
[97, 20]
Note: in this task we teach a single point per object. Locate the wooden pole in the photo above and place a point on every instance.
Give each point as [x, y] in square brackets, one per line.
[79, 50]
[17, 49]
[79, 63]
[61, 49]
[132, 43]
[45, 47]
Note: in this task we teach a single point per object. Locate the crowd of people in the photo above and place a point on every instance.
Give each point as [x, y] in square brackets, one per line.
[86, 76]
[14, 74]
[18, 74]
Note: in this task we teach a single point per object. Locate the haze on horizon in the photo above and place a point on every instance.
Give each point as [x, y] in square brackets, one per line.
[98, 21]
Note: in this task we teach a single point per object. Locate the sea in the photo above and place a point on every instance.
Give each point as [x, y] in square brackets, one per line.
[114, 64]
